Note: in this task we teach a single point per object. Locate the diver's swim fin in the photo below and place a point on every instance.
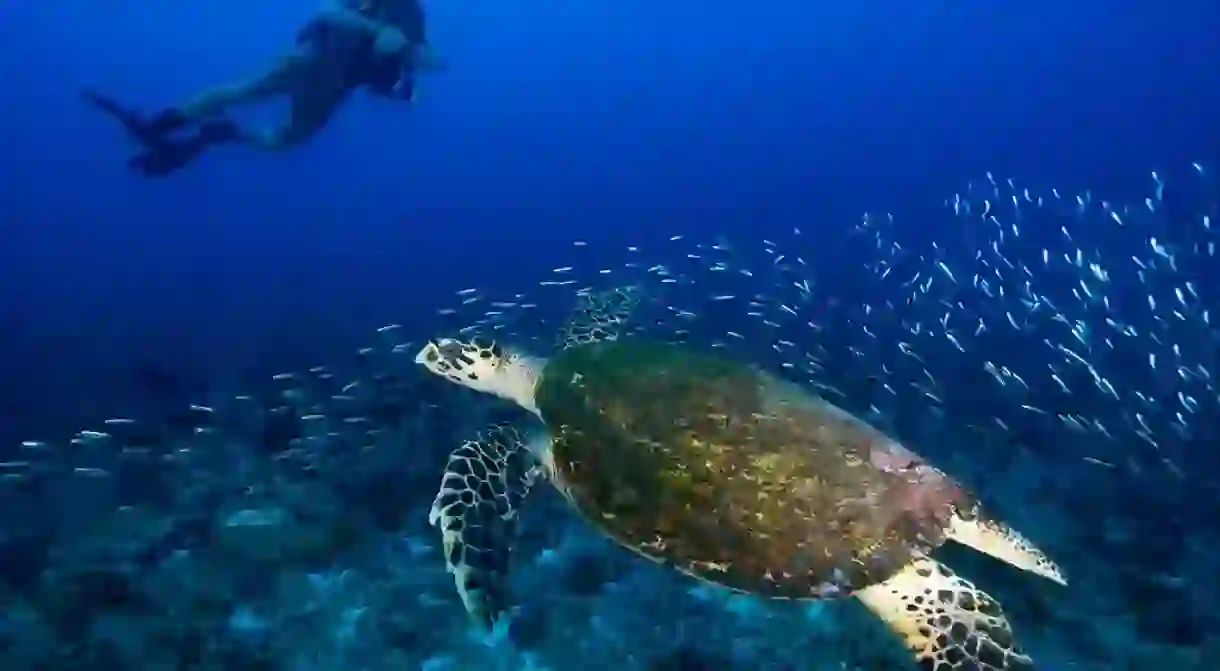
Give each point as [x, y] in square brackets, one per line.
[163, 154]
[149, 133]
[169, 155]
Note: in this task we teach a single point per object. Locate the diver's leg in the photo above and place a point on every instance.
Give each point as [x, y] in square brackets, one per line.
[278, 79]
[313, 105]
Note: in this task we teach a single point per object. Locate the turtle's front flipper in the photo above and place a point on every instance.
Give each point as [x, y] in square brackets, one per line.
[945, 620]
[476, 510]
[599, 317]
[1004, 543]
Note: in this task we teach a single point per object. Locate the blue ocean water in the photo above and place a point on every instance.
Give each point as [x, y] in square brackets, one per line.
[706, 139]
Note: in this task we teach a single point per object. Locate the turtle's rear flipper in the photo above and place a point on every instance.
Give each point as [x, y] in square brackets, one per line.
[476, 511]
[1004, 543]
[945, 620]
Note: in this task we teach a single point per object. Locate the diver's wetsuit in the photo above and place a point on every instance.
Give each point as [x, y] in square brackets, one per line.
[332, 58]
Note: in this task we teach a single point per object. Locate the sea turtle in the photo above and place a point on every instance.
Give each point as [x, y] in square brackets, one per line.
[727, 473]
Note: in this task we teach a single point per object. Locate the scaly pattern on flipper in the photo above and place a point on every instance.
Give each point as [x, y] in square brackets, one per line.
[1001, 541]
[599, 317]
[947, 622]
[476, 508]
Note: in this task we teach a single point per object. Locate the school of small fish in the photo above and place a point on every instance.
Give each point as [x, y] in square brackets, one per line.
[312, 421]
[1082, 316]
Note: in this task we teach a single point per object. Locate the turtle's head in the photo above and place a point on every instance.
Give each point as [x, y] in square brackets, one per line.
[484, 367]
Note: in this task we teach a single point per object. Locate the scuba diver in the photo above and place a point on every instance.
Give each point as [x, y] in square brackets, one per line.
[376, 44]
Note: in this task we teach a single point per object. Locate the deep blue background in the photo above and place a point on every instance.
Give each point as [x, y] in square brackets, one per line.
[612, 122]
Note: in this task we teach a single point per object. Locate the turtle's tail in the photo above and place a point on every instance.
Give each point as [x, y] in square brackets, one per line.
[484, 367]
